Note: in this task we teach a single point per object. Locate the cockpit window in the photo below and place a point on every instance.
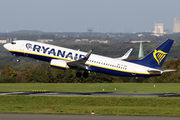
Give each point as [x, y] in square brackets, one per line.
[13, 42]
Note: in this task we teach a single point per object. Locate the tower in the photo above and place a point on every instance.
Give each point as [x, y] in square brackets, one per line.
[90, 31]
[176, 28]
[141, 53]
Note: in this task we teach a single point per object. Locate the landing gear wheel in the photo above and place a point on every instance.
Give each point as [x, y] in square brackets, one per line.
[18, 60]
[78, 74]
[85, 74]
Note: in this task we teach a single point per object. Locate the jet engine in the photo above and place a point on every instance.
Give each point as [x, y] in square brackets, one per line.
[62, 64]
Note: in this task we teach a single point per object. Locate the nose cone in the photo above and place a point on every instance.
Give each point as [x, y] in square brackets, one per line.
[6, 46]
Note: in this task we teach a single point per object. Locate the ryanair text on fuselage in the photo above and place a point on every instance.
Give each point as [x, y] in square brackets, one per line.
[54, 52]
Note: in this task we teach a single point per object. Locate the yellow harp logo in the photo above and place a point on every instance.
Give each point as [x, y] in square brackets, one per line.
[159, 55]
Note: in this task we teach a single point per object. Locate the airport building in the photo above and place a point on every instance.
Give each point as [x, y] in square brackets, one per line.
[176, 28]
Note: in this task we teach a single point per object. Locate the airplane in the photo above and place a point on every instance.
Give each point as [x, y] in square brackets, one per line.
[65, 58]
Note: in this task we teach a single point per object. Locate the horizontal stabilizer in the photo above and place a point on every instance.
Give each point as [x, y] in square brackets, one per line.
[168, 70]
[161, 71]
[155, 71]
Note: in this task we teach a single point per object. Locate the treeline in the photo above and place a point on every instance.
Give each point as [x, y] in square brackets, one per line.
[119, 49]
[70, 37]
[43, 73]
[111, 49]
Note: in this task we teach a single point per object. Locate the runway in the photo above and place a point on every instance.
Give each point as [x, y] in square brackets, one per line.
[92, 94]
[79, 117]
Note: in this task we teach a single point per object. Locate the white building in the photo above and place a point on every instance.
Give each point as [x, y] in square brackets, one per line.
[176, 28]
[77, 40]
[45, 40]
[158, 29]
[2, 41]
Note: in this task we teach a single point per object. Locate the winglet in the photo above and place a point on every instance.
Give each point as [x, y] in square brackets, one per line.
[88, 54]
[126, 55]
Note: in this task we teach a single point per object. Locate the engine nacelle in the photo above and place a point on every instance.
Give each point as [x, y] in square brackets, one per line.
[61, 64]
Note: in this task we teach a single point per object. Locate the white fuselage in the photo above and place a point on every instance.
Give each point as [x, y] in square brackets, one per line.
[96, 63]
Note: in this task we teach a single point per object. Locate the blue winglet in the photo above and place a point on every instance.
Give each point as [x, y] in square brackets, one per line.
[88, 54]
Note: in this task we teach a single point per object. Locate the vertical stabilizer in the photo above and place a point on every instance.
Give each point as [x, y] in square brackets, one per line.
[156, 58]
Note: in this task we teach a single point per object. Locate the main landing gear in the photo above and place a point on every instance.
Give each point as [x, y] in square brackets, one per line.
[78, 74]
[85, 74]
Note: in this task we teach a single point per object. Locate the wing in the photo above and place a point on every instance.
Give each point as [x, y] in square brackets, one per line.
[80, 64]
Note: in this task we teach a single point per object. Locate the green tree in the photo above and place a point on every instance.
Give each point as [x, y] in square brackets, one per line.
[8, 75]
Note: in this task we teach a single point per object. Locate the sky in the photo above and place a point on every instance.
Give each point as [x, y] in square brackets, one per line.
[79, 15]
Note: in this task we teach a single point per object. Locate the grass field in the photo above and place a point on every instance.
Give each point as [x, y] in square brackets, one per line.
[147, 106]
[94, 87]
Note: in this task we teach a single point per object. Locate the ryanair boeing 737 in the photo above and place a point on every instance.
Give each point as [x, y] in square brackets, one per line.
[65, 58]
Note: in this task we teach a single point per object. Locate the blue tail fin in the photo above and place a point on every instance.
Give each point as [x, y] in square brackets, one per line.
[156, 58]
